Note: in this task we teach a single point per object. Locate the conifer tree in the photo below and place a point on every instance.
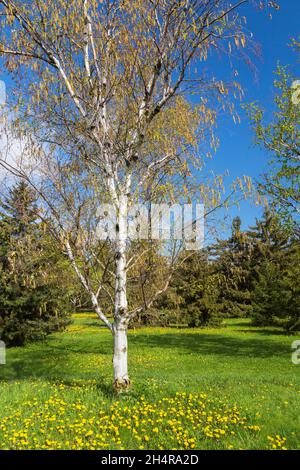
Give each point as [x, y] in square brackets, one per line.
[198, 286]
[232, 259]
[32, 303]
[275, 294]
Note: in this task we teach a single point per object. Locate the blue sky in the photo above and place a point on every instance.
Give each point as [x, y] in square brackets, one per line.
[237, 152]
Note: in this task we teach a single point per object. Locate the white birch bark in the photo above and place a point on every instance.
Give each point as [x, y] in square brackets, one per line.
[120, 256]
[120, 359]
[121, 378]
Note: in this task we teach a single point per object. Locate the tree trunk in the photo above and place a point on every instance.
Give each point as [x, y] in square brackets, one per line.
[121, 378]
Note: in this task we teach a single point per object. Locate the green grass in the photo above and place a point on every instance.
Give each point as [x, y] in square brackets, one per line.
[241, 387]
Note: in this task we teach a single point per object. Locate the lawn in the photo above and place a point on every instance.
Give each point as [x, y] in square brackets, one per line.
[228, 388]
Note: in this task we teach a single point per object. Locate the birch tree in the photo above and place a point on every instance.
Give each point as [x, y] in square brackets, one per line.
[116, 96]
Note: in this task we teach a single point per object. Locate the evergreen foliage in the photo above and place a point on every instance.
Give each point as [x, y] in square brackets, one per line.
[275, 293]
[232, 262]
[33, 299]
[198, 285]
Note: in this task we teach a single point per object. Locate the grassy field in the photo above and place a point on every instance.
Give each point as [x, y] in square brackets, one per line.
[230, 388]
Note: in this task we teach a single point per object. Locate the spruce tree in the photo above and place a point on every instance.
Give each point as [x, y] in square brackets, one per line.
[232, 260]
[198, 286]
[275, 293]
[32, 303]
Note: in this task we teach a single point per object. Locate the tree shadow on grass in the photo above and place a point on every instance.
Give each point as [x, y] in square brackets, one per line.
[217, 344]
[56, 360]
[249, 327]
[94, 324]
[266, 332]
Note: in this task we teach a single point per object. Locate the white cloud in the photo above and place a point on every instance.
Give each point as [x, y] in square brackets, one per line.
[2, 93]
[12, 149]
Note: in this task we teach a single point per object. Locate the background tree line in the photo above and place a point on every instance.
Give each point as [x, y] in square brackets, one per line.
[253, 273]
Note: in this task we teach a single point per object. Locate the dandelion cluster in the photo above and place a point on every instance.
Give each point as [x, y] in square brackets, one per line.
[277, 442]
[182, 421]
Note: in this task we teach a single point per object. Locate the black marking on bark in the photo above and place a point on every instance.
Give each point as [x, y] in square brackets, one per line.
[122, 384]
